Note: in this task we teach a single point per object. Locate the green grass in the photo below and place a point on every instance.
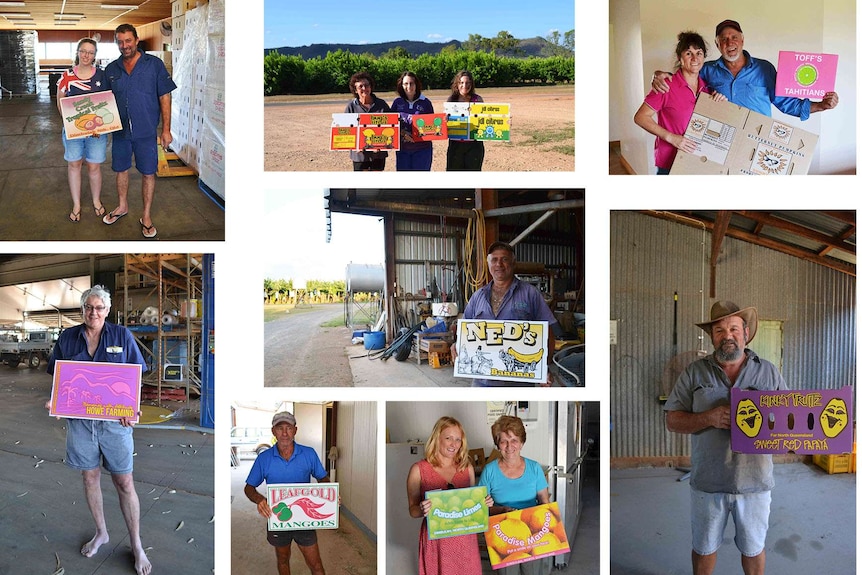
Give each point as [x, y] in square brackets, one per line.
[334, 322]
[540, 137]
[277, 311]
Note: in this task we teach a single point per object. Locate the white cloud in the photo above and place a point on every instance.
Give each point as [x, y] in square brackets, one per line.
[435, 36]
[362, 42]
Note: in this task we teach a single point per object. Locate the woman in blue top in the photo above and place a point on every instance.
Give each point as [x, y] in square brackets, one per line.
[85, 77]
[413, 156]
[514, 482]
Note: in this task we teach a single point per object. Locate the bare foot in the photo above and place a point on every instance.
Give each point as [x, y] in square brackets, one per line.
[92, 546]
[142, 564]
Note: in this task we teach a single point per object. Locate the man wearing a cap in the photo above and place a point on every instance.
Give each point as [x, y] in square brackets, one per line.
[287, 462]
[724, 483]
[507, 298]
[747, 81]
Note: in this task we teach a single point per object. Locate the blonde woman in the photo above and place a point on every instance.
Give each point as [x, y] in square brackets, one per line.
[84, 78]
[446, 466]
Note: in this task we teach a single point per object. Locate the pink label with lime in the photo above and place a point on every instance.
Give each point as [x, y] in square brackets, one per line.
[805, 74]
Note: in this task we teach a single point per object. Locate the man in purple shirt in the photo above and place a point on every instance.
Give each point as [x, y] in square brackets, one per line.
[507, 298]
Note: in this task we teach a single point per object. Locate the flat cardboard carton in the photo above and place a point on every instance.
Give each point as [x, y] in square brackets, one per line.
[734, 140]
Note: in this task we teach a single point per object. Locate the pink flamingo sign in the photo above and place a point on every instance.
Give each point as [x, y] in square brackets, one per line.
[96, 390]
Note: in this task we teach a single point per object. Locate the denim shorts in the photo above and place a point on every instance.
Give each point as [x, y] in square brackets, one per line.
[93, 149]
[145, 151]
[90, 444]
[709, 514]
[303, 537]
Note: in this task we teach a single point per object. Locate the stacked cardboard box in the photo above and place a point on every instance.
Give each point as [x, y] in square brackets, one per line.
[198, 113]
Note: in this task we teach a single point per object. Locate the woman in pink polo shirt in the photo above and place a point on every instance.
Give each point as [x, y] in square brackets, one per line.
[675, 107]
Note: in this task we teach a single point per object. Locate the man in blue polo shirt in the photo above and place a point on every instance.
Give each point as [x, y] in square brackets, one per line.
[287, 462]
[142, 87]
[507, 298]
[91, 444]
[747, 81]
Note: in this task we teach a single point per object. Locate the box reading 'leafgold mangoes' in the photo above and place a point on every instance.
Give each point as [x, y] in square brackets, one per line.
[526, 534]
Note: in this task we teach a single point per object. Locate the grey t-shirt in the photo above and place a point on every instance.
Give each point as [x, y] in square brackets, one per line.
[714, 467]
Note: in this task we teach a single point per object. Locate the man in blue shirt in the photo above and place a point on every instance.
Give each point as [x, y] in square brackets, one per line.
[287, 462]
[89, 443]
[507, 298]
[142, 88]
[747, 81]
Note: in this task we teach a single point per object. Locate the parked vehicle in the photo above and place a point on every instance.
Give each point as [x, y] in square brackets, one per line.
[251, 439]
[31, 347]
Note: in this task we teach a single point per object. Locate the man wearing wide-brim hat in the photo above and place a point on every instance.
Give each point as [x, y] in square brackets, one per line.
[724, 483]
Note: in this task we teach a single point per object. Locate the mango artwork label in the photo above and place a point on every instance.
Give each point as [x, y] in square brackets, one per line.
[90, 115]
[96, 390]
[526, 535]
[302, 506]
[502, 350]
[809, 422]
[457, 512]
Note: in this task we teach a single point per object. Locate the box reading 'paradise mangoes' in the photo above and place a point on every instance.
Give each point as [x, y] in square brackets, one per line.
[526, 534]
[457, 512]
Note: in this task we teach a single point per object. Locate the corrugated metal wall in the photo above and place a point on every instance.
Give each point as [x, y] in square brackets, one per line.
[652, 258]
[357, 459]
[417, 241]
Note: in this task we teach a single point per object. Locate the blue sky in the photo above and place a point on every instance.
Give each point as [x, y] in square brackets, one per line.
[299, 23]
[295, 229]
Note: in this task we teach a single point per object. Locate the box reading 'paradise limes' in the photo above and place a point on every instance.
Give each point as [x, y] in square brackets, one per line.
[457, 512]
[526, 534]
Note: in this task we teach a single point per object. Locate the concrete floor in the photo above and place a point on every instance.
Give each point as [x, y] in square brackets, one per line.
[34, 188]
[43, 510]
[812, 524]
[346, 550]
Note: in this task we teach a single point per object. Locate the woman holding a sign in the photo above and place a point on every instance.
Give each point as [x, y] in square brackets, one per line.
[84, 78]
[464, 155]
[514, 482]
[674, 108]
[413, 156]
[446, 466]
[365, 102]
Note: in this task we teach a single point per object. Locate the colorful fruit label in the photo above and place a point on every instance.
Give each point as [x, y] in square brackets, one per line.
[489, 122]
[90, 115]
[481, 121]
[379, 138]
[96, 390]
[303, 506]
[811, 421]
[805, 74]
[525, 535]
[429, 127]
[502, 350]
[457, 512]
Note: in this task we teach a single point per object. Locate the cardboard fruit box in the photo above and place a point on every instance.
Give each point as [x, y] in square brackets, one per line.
[526, 535]
[809, 422]
[733, 140]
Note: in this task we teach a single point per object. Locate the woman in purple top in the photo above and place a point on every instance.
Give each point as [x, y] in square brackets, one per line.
[413, 156]
[464, 155]
[674, 108]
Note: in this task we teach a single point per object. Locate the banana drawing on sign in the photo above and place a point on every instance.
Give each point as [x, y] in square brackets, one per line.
[502, 350]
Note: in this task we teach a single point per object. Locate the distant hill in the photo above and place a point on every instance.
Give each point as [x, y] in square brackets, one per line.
[530, 47]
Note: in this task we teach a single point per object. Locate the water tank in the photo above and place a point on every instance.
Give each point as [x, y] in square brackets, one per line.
[364, 278]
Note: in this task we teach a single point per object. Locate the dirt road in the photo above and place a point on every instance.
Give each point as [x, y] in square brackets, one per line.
[299, 352]
[296, 131]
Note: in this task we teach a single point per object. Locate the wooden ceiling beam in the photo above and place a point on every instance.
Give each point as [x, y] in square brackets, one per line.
[767, 219]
